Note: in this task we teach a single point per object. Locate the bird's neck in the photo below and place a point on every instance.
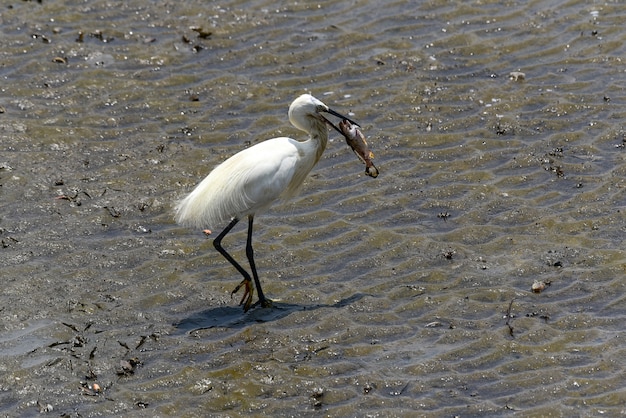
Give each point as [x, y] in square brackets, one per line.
[319, 138]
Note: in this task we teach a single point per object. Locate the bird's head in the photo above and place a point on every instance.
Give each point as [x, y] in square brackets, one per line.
[306, 112]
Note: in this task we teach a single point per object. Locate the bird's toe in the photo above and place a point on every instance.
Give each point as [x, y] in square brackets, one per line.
[246, 299]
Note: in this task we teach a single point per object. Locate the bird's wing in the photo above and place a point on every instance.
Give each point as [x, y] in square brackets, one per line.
[270, 170]
[246, 183]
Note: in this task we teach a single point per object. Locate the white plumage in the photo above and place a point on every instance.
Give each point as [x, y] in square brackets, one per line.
[247, 183]
[251, 180]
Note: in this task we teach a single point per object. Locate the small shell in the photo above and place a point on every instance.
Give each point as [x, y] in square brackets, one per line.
[517, 76]
[538, 286]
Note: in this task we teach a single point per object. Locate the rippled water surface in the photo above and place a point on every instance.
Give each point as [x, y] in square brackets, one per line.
[405, 295]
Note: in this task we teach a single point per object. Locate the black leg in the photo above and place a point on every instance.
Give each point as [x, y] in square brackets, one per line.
[247, 281]
[246, 300]
[250, 255]
[217, 243]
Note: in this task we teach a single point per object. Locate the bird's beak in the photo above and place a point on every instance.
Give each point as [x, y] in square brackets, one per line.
[339, 115]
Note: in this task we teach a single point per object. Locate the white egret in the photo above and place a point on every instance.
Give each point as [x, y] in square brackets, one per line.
[251, 180]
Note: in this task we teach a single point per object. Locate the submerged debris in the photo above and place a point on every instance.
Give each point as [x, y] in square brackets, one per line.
[128, 366]
[316, 397]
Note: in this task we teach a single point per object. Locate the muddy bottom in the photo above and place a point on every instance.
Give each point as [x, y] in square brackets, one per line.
[480, 274]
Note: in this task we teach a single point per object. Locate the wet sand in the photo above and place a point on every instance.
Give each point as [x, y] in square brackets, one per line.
[405, 295]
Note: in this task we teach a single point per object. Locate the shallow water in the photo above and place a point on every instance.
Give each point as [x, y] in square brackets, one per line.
[405, 295]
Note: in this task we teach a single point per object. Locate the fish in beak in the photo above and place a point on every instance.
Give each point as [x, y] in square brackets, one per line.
[351, 131]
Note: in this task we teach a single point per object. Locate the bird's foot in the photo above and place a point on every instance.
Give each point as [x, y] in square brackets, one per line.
[265, 303]
[247, 294]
